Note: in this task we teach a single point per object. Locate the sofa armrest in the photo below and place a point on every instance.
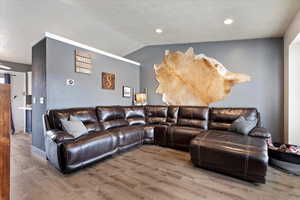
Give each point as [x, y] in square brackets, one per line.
[54, 140]
[260, 132]
[59, 136]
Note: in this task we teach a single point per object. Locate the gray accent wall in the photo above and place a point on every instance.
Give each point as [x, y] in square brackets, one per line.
[87, 90]
[54, 62]
[262, 59]
[38, 91]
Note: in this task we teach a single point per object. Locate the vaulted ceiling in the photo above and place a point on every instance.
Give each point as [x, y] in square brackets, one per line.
[123, 26]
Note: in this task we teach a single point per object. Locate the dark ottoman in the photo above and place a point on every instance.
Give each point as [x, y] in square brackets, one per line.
[241, 156]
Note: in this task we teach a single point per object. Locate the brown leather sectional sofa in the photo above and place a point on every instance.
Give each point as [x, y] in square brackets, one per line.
[202, 130]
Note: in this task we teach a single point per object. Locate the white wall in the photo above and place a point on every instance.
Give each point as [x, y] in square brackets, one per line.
[289, 107]
[18, 89]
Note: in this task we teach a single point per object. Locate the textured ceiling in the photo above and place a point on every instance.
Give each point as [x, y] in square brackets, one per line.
[123, 26]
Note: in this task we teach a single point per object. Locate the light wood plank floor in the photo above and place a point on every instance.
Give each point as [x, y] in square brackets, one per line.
[149, 172]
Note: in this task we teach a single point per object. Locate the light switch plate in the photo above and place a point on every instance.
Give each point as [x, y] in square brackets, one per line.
[41, 100]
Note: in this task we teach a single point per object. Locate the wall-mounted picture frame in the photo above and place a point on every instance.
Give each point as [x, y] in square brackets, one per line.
[108, 81]
[126, 92]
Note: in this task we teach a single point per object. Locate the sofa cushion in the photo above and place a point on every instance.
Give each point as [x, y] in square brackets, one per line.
[148, 134]
[135, 115]
[86, 115]
[181, 136]
[156, 114]
[88, 148]
[113, 124]
[193, 116]
[233, 140]
[129, 136]
[107, 113]
[111, 117]
[222, 118]
[160, 136]
[172, 114]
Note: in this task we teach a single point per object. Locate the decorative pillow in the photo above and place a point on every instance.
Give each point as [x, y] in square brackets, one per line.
[242, 125]
[74, 127]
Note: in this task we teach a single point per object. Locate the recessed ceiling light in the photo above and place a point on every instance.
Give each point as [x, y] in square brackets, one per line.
[158, 30]
[4, 67]
[228, 21]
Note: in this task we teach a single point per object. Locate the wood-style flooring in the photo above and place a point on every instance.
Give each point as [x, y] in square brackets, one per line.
[148, 172]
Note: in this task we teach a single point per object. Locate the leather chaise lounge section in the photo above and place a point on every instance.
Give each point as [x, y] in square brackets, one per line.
[201, 130]
[218, 149]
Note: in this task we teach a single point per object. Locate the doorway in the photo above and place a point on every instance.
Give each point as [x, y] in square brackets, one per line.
[18, 100]
[17, 82]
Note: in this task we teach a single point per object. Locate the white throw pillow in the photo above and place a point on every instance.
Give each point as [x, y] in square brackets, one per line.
[74, 127]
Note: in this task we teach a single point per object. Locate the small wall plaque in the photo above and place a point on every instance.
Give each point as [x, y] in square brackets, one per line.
[108, 81]
[83, 62]
[70, 82]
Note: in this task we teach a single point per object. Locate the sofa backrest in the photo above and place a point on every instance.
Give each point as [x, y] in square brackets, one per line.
[193, 116]
[222, 118]
[107, 117]
[172, 114]
[156, 114]
[86, 115]
[135, 115]
[111, 117]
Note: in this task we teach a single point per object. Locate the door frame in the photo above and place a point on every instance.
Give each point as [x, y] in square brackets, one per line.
[292, 126]
[5, 134]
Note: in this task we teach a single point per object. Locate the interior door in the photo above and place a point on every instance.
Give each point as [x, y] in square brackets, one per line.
[18, 100]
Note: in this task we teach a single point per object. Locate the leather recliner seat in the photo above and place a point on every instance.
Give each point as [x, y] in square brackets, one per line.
[113, 129]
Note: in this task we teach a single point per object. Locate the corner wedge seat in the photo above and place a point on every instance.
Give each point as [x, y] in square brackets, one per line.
[88, 149]
[181, 136]
[191, 121]
[230, 153]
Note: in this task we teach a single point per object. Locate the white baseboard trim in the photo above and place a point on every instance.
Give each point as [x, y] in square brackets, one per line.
[38, 152]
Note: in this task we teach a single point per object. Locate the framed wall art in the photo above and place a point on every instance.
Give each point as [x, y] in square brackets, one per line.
[108, 81]
[126, 92]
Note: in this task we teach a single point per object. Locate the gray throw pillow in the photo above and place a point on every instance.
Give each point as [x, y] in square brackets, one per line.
[243, 125]
[74, 127]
